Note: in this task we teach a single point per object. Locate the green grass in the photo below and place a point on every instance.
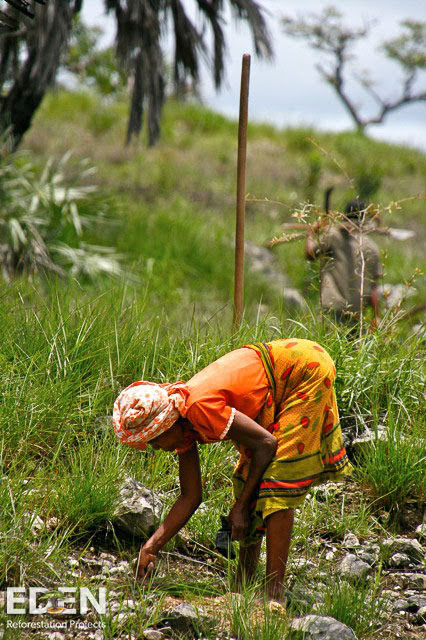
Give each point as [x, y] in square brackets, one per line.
[358, 606]
[396, 467]
[67, 347]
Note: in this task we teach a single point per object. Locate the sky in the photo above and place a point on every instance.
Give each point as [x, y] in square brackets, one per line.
[289, 91]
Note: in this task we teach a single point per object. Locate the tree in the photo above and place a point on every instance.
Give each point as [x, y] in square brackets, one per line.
[327, 33]
[92, 66]
[30, 56]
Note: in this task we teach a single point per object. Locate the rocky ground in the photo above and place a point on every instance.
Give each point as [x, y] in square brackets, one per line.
[188, 595]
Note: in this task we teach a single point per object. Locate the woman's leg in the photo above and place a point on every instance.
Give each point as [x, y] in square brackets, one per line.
[279, 526]
[247, 563]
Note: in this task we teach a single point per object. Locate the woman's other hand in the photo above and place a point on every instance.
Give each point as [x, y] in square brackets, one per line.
[145, 564]
[238, 519]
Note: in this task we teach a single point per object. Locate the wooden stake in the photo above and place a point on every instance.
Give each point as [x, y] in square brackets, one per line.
[241, 194]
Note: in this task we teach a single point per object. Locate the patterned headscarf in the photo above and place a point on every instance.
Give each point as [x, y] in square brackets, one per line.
[145, 410]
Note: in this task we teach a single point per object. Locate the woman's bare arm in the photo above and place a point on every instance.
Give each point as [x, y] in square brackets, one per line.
[263, 446]
[188, 501]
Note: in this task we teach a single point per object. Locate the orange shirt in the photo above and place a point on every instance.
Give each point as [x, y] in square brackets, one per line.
[236, 381]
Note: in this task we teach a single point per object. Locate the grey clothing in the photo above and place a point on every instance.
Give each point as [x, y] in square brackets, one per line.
[345, 256]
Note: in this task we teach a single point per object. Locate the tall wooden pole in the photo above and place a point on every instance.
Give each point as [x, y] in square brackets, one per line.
[241, 194]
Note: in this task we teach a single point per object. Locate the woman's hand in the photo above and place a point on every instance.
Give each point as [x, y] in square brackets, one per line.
[239, 520]
[145, 564]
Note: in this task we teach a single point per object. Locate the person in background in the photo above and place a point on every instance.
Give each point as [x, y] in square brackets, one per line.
[350, 267]
[276, 402]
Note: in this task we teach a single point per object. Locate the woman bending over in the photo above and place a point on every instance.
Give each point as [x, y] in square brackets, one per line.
[276, 402]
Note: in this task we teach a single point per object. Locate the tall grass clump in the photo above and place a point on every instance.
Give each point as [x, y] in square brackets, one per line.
[393, 467]
[85, 486]
[358, 606]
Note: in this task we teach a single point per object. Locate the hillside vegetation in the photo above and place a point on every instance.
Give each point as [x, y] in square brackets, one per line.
[68, 346]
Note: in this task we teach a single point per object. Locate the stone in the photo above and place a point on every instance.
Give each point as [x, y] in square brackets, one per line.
[153, 634]
[36, 523]
[350, 541]
[369, 558]
[411, 547]
[56, 636]
[325, 491]
[416, 602]
[293, 298]
[353, 568]
[184, 618]
[369, 553]
[94, 563]
[303, 564]
[421, 531]
[122, 567]
[421, 616]
[72, 562]
[393, 294]
[139, 511]
[416, 581]
[399, 560]
[400, 605]
[114, 607]
[263, 261]
[300, 598]
[52, 523]
[322, 628]
[367, 439]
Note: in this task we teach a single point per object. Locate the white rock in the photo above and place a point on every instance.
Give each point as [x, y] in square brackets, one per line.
[353, 568]
[399, 560]
[421, 530]
[416, 581]
[322, 628]
[72, 562]
[52, 523]
[140, 509]
[350, 541]
[410, 547]
[114, 607]
[152, 634]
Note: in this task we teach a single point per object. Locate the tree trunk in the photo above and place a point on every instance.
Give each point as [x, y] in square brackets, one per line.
[45, 41]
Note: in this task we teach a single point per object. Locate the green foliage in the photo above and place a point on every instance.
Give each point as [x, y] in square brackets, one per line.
[68, 347]
[85, 485]
[43, 218]
[394, 468]
[359, 606]
[93, 67]
[409, 48]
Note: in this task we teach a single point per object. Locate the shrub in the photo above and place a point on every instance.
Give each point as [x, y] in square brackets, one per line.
[43, 218]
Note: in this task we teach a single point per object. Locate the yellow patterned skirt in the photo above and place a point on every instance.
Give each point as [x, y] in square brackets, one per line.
[301, 411]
